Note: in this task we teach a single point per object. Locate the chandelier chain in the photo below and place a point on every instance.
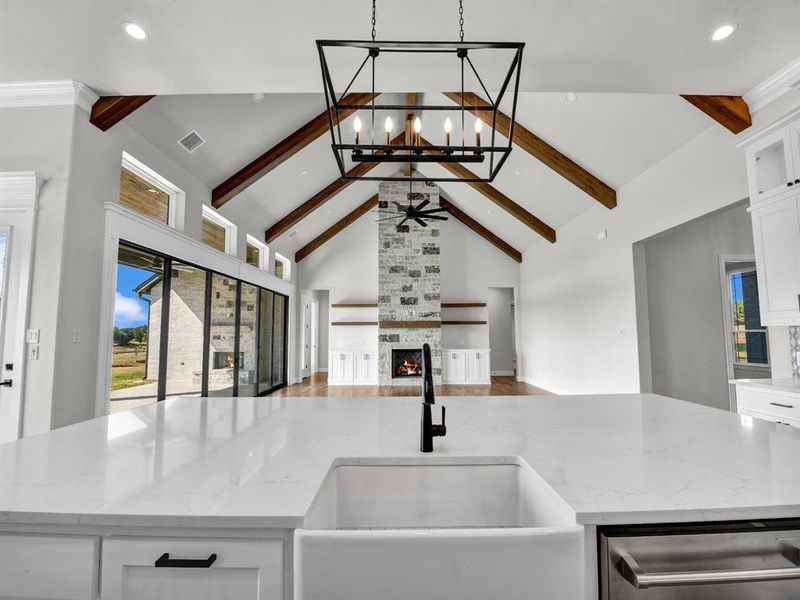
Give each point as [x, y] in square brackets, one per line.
[374, 20]
[461, 19]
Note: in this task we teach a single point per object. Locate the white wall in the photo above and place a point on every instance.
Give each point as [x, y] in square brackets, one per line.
[685, 305]
[578, 301]
[347, 265]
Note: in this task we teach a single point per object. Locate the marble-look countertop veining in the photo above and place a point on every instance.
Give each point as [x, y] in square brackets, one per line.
[259, 462]
[788, 386]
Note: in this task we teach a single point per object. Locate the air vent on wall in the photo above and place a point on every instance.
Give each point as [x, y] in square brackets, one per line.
[191, 141]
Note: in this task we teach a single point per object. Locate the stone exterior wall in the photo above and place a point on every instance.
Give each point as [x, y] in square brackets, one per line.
[409, 285]
[187, 308]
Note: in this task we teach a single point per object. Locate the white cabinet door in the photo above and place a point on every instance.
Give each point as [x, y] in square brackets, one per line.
[341, 369]
[776, 233]
[148, 569]
[770, 166]
[364, 365]
[453, 367]
[794, 134]
[59, 567]
[477, 366]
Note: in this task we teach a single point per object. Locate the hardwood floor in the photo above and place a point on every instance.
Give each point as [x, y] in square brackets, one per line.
[317, 385]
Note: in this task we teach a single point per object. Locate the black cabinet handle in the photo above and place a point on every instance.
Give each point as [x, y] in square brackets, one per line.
[790, 184]
[782, 405]
[797, 180]
[6, 383]
[185, 563]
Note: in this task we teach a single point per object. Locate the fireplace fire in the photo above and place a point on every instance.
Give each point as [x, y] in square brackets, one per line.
[406, 363]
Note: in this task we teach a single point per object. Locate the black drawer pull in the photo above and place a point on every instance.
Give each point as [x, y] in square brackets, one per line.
[185, 563]
[781, 405]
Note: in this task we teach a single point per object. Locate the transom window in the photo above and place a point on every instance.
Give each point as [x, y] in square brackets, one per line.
[282, 267]
[218, 232]
[257, 253]
[146, 192]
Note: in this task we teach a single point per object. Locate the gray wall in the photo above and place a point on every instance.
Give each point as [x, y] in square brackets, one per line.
[501, 329]
[684, 304]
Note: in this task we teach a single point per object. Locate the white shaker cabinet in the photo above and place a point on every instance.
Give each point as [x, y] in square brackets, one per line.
[776, 235]
[772, 156]
[349, 366]
[156, 569]
[465, 366]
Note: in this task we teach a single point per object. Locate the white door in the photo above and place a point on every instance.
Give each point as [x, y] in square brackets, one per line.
[17, 210]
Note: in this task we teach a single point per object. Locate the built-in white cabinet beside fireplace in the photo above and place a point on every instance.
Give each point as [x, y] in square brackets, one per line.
[349, 366]
[773, 171]
[465, 366]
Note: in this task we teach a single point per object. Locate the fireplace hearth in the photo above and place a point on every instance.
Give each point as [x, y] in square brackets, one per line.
[406, 363]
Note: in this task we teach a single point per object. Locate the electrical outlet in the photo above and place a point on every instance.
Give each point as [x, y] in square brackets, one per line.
[76, 336]
[32, 336]
[33, 352]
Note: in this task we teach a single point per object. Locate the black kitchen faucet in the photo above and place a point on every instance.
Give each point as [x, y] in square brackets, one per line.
[428, 429]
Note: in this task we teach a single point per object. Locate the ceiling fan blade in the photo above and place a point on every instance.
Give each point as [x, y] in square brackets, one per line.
[399, 206]
[403, 221]
[420, 221]
[432, 210]
[420, 205]
[433, 217]
[389, 218]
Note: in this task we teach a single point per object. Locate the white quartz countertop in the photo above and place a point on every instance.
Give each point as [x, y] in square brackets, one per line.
[789, 386]
[259, 462]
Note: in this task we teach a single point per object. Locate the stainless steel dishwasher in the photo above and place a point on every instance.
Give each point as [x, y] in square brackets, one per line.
[712, 561]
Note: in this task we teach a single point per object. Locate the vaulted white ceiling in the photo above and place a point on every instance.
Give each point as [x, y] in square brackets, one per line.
[614, 136]
[229, 46]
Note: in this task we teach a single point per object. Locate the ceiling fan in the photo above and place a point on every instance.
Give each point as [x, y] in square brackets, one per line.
[414, 213]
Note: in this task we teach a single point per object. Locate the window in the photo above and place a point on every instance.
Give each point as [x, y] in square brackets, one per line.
[750, 342]
[183, 330]
[218, 232]
[144, 191]
[282, 267]
[257, 253]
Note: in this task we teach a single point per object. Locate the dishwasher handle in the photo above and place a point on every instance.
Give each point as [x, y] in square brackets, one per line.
[630, 569]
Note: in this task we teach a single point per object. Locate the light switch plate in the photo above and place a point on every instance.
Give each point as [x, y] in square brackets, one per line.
[32, 336]
[33, 352]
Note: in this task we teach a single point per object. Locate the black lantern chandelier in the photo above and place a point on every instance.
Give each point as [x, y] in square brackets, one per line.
[488, 158]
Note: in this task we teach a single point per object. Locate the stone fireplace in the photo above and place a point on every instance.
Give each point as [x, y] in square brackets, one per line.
[409, 287]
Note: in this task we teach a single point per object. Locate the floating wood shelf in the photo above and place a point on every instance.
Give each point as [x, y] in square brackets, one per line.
[463, 304]
[355, 305]
[410, 324]
[359, 323]
[464, 323]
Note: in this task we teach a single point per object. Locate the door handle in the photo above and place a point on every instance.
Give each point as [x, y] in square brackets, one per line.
[6, 383]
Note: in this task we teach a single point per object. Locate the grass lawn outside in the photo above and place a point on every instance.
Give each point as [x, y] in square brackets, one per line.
[128, 366]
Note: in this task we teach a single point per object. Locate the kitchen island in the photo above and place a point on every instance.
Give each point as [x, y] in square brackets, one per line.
[247, 470]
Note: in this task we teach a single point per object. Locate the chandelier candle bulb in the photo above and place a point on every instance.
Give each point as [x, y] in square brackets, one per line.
[357, 129]
[478, 129]
[448, 127]
[388, 125]
[417, 131]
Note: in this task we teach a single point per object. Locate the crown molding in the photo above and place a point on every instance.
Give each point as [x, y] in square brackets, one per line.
[47, 93]
[19, 190]
[774, 86]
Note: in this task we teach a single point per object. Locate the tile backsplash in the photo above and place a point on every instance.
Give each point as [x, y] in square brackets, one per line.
[794, 350]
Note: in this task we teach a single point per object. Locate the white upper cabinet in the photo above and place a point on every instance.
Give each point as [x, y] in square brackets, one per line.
[773, 171]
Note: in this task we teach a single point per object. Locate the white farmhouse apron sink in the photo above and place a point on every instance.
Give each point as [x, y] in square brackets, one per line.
[440, 528]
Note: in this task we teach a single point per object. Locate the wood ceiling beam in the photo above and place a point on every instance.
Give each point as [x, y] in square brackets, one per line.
[411, 100]
[107, 111]
[283, 150]
[336, 228]
[482, 231]
[500, 199]
[542, 151]
[321, 197]
[732, 112]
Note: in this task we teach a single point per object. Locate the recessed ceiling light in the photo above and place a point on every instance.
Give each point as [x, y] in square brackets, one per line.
[722, 32]
[571, 96]
[293, 234]
[304, 172]
[137, 32]
[258, 98]
[517, 173]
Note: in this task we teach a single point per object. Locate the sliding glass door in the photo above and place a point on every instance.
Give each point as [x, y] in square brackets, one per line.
[181, 330]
